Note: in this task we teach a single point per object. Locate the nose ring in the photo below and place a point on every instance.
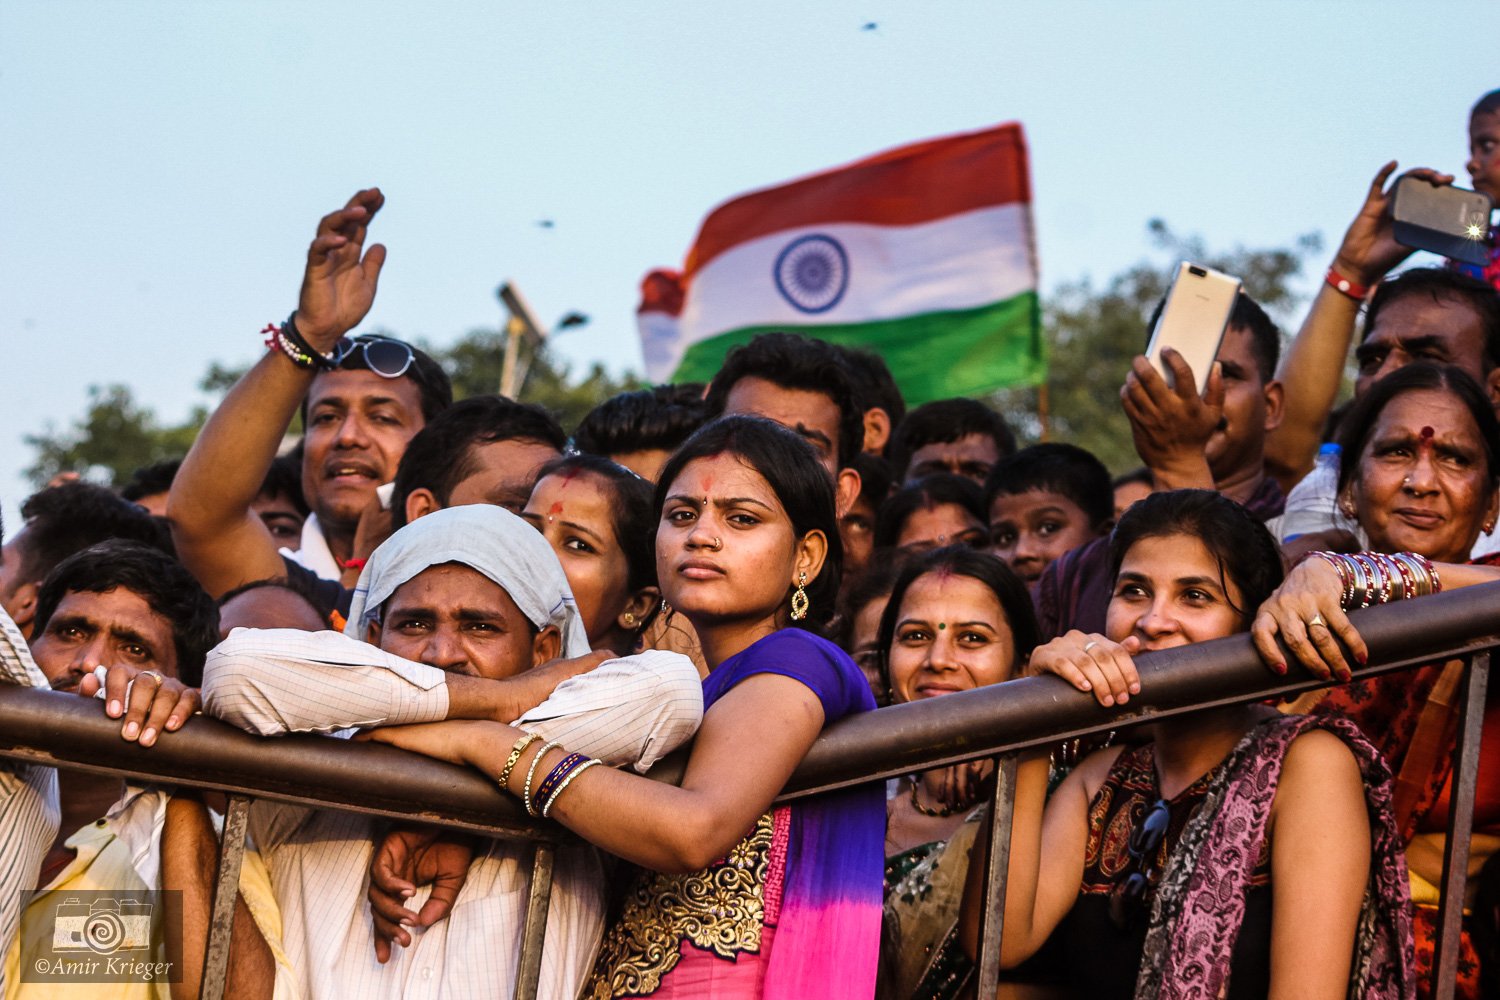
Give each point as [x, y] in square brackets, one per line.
[718, 543]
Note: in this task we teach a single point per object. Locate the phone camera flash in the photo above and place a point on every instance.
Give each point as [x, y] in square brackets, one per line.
[1474, 231]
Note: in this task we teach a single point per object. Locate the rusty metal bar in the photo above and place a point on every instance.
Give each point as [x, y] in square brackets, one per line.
[64, 730]
[1002, 718]
[1465, 783]
[226, 891]
[997, 863]
[533, 933]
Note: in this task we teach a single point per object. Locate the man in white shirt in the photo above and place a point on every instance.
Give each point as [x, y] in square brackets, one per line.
[127, 622]
[466, 613]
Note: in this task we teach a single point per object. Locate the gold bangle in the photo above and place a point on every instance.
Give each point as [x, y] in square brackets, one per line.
[531, 773]
[515, 755]
[547, 808]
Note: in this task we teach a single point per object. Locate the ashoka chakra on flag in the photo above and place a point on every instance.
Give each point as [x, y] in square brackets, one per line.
[923, 254]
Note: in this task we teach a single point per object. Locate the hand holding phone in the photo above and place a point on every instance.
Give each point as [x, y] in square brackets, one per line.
[1193, 320]
[1441, 218]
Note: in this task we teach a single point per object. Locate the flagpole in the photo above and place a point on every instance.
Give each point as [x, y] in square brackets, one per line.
[1043, 410]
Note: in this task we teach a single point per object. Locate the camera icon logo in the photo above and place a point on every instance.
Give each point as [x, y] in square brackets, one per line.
[104, 926]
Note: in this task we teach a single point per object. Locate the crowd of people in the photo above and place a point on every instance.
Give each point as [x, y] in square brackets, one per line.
[727, 569]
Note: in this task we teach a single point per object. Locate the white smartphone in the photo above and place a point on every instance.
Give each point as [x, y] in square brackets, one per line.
[1193, 320]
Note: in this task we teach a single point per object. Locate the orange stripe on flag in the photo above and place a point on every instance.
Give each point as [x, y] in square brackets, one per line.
[900, 187]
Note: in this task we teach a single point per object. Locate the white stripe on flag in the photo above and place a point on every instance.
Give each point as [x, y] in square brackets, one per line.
[959, 262]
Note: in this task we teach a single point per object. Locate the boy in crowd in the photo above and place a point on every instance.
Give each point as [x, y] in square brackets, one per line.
[961, 436]
[279, 503]
[1045, 501]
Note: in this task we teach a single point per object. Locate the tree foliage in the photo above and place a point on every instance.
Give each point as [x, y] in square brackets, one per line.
[1092, 334]
[115, 436]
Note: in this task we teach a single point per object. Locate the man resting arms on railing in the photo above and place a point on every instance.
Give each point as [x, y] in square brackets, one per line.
[127, 622]
[461, 609]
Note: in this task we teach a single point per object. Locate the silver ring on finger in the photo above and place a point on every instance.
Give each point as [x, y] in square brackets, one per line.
[1090, 645]
[1318, 621]
[156, 675]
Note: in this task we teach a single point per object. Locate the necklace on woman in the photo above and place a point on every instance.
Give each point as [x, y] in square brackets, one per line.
[939, 812]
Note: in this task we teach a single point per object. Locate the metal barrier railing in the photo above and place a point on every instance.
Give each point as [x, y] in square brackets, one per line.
[998, 721]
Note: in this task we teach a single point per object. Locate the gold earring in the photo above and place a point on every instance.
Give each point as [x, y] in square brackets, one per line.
[1489, 526]
[629, 619]
[799, 599]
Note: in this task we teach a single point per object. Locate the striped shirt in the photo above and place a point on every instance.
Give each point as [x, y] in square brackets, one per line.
[29, 815]
[628, 711]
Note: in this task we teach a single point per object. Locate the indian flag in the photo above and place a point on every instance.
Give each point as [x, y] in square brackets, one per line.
[923, 253]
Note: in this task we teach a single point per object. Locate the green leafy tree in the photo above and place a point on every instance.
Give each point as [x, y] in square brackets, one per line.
[1093, 333]
[475, 363]
[115, 436]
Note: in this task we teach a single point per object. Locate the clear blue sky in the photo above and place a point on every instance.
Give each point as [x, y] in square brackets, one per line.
[163, 165]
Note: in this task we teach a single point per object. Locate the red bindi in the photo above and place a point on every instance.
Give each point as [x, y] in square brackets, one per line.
[1427, 433]
[555, 509]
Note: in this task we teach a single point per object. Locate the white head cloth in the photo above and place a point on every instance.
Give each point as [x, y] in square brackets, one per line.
[488, 539]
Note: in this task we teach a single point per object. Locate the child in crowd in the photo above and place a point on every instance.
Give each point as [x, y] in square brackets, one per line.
[1044, 501]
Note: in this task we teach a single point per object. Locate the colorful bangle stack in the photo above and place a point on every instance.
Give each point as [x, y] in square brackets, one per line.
[287, 339]
[515, 755]
[1377, 578]
[559, 778]
[566, 781]
[526, 798]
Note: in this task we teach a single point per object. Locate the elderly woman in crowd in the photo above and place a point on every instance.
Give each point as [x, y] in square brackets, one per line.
[1422, 463]
[957, 620]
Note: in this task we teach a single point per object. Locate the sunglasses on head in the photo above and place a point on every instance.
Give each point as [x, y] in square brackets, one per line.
[385, 356]
[1145, 840]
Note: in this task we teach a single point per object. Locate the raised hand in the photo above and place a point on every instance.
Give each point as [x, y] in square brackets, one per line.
[338, 286]
[407, 858]
[1369, 249]
[149, 702]
[1171, 425]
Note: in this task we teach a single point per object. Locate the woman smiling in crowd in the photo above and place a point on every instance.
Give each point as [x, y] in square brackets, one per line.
[1424, 449]
[957, 620]
[1157, 864]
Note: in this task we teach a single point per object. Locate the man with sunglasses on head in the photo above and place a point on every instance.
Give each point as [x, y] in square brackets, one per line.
[362, 400]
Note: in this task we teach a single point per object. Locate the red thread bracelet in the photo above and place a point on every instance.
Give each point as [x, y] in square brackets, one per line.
[1339, 283]
[353, 564]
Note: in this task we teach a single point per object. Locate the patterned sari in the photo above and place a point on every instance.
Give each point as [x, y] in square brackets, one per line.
[793, 910]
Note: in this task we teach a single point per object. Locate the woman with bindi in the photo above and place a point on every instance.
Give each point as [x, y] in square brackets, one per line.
[1421, 470]
[735, 897]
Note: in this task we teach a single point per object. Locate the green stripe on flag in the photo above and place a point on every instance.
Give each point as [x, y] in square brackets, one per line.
[966, 352]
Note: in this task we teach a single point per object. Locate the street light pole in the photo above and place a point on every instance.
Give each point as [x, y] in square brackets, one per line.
[519, 324]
